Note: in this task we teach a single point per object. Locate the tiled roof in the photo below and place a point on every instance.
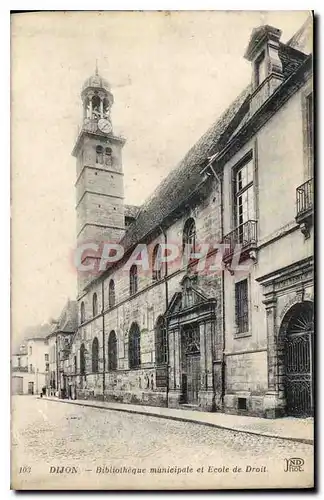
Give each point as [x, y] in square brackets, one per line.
[69, 317]
[182, 181]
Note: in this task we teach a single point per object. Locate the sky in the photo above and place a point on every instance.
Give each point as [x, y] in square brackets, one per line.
[172, 74]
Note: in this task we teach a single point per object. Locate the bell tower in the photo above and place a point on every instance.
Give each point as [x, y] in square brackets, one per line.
[99, 183]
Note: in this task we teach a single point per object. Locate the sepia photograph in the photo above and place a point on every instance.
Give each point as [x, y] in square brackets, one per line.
[162, 250]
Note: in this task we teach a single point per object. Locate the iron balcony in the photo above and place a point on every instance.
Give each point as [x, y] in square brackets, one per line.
[20, 369]
[242, 239]
[305, 200]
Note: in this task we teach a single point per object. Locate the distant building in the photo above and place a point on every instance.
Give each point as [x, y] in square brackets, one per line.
[59, 347]
[30, 366]
[19, 367]
[19, 360]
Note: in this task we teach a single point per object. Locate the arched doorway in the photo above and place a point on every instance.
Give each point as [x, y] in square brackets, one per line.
[298, 326]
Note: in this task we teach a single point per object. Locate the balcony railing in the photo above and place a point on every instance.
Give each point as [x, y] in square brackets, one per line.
[243, 238]
[305, 198]
[20, 368]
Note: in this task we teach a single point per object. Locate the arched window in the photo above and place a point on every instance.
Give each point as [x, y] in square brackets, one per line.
[82, 359]
[133, 280]
[156, 263]
[134, 346]
[108, 156]
[95, 355]
[106, 108]
[189, 234]
[189, 239]
[82, 313]
[96, 107]
[161, 341]
[112, 351]
[94, 304]
[99, 154]
[75, 362]
[111, 293]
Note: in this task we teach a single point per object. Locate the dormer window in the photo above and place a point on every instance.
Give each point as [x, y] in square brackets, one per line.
[263, 53]
[260, 69]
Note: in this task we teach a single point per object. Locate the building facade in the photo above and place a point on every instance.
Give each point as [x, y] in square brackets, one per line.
[59, 346]
[214, 309]
[29, 367]
[268, 202]
[19, 369]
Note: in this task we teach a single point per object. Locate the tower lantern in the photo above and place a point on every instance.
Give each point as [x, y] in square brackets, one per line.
[99, 184]
[97, 100]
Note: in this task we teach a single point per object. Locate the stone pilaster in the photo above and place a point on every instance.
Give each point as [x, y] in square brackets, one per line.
[206, 393]
[272, 404]
[174, 395]
[270, 306]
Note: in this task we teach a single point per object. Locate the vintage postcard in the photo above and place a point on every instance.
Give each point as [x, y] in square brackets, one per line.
[162, 250]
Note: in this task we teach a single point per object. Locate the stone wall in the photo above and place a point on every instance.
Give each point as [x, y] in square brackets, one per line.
[144, 308]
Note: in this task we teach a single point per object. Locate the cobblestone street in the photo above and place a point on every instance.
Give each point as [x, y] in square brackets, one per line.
[50, 434]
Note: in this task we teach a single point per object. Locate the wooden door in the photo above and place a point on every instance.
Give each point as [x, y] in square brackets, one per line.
[193, 378]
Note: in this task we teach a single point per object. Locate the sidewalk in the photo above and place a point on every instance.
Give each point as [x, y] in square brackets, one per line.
[294, 429]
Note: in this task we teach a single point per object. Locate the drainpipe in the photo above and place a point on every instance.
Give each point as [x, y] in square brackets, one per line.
[220, 181]
[166, 272]
[103, 340]
[223, 304]
[57, 366]
[166, 307]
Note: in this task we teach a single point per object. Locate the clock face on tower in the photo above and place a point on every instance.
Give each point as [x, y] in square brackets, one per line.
[104, 125]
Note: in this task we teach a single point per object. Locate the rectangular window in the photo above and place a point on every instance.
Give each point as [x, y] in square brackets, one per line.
[244, 193]
[161, 343]
[30, 350]
[30, 368]
[47, 367]
[19, 362]
[241, 404]
[260, 69]
[241, 307]
[46, 357]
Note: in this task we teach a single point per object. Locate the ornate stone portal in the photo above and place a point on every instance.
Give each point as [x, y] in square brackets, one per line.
[191, 333]
[288, 299]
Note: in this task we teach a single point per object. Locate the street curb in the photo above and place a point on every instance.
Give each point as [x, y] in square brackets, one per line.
[184, 419]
